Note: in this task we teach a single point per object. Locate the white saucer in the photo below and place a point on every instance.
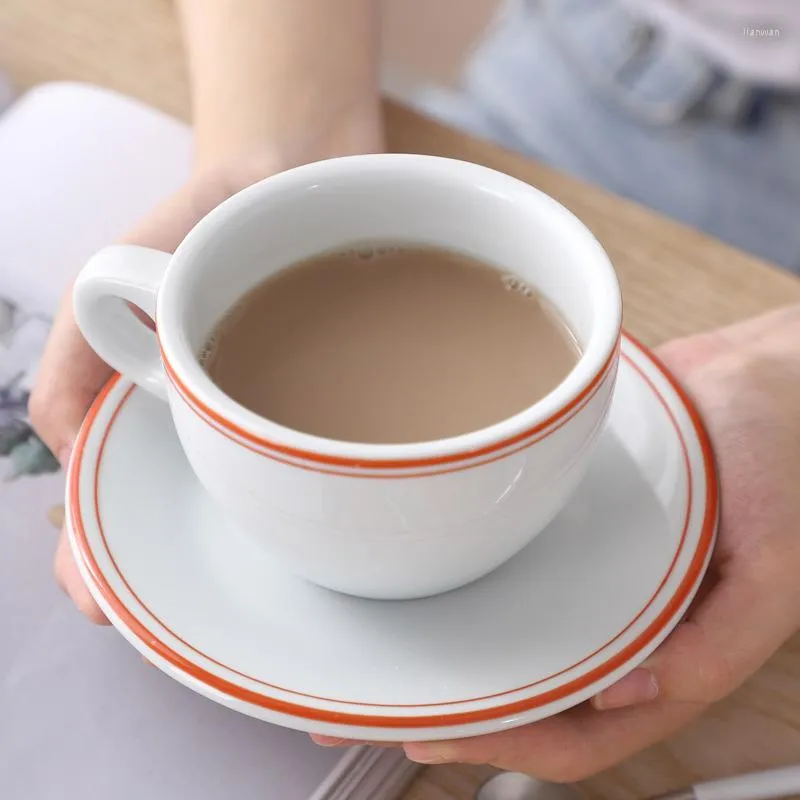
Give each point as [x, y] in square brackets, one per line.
[587, 601]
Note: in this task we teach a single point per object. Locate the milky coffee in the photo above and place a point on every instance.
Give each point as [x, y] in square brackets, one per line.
[389, 344]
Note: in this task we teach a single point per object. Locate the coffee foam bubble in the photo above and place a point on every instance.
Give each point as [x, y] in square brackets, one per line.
[207, 351]
[367, 252]
[516, 284]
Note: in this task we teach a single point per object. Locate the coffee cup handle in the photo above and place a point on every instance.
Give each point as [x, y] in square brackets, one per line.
[112, 280]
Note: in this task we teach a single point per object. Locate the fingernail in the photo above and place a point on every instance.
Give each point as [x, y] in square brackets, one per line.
[55, 516]
[434, 753]
[328, 741]
[640, 686]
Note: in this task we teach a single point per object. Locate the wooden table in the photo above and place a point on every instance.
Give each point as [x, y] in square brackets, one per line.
[675, 282]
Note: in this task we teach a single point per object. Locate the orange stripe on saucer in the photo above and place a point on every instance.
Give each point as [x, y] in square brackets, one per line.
[296, 708]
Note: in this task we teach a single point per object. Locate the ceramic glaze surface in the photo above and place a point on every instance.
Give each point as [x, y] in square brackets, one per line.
[583, 604]
[378, 521]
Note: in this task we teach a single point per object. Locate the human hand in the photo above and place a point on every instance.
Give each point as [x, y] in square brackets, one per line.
[746, 382]
[71, 374]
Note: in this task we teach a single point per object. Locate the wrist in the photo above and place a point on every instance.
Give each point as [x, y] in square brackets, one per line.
[356, 129]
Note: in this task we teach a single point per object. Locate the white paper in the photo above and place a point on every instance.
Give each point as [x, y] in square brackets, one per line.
[78, 166]
[81, 715]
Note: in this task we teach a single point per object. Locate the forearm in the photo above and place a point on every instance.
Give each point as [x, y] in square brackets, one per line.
[282, 81]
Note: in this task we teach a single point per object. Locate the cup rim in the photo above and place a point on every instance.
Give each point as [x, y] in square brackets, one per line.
[263, 435]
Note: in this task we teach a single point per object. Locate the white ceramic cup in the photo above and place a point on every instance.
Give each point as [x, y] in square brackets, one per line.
[375, 520]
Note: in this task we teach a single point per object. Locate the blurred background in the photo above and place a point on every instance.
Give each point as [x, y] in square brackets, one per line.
[433, 52]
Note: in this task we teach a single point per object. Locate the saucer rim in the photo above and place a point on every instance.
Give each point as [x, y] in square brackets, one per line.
[657, 629]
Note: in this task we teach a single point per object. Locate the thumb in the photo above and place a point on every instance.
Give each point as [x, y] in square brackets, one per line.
[728, 636]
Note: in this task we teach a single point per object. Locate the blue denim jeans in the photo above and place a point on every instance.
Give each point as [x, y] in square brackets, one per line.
[581, 85]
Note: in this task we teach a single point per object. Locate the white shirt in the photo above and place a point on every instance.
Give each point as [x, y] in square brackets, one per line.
[757, 40]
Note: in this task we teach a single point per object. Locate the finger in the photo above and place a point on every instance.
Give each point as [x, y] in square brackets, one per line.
[69, 579]
[335, 741]
[69, 377]
[742, 622]
[566, 748]
[683, 356]
[687, 354]
[745, 618]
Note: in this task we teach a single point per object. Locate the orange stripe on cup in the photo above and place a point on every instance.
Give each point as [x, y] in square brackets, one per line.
[652, 632]
[266, 447]
[385, 474]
